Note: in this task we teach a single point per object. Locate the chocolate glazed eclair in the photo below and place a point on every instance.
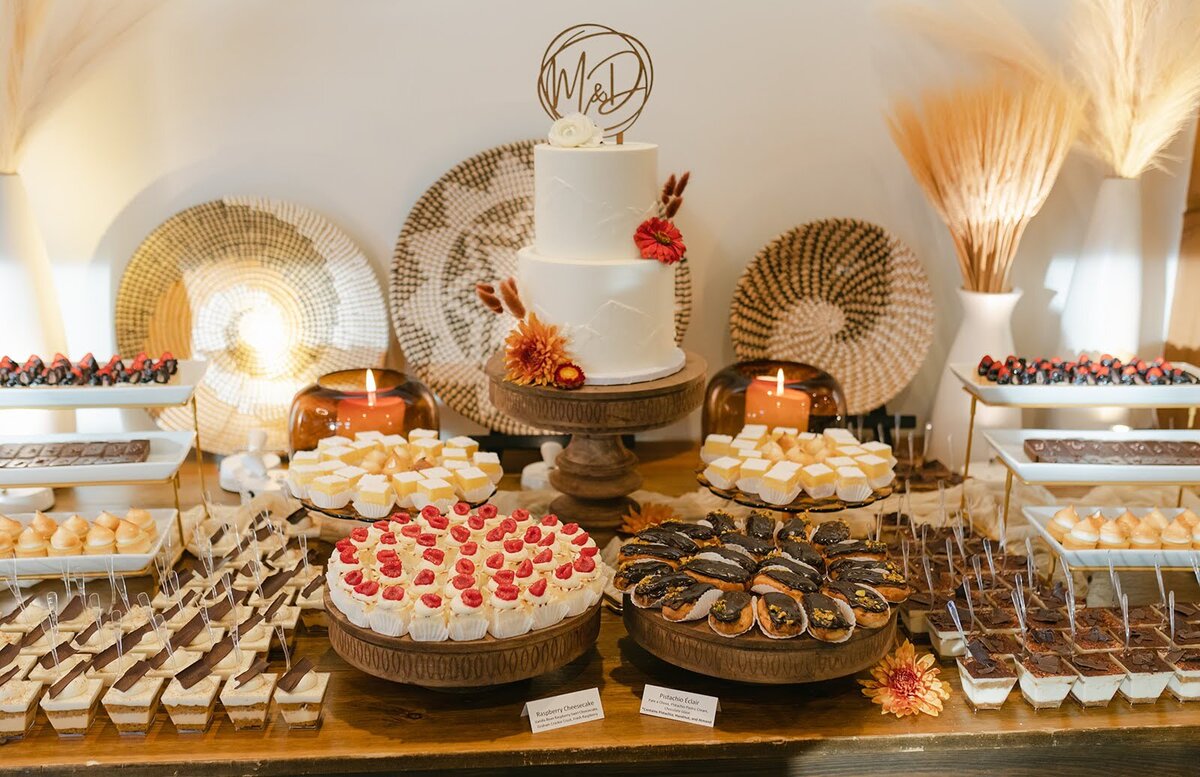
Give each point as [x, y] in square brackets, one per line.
[779, 561]
[780, 616]
[891, 584]
[672, 539]
[732, 614]
[691, 603]
[641, 551]
[753, 546]
[700, 534]
[760, 526]
[871, 610]
[652, 590]
[783, 581]
[829, 619]
[719, 574]
[793, 529]
[805, 553]
[720, 522]
[856, 550]
[729, 556]
[829, 533]
[633, 572]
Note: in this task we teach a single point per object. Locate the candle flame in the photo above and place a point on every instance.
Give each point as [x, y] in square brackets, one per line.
[370, 388]
[779, 382]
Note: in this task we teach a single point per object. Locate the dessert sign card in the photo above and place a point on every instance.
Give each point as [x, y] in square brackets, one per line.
[564, 710]
[695, 708]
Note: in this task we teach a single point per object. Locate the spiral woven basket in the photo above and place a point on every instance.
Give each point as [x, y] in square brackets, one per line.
[270, 293]
[842, 295]
[467, 229]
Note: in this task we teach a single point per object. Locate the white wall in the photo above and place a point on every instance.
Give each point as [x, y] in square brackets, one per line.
[354, 107]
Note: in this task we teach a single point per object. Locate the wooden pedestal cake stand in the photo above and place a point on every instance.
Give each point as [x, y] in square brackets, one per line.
[754, 657]
[470, 665]
[596, 472]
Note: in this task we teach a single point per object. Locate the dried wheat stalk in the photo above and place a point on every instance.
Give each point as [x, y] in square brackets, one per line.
[1139, 64]
[987, 156]
[45, 45]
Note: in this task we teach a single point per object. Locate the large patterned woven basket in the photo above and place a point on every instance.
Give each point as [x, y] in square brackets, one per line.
[465, 229]
[842, 295]
[270, 293]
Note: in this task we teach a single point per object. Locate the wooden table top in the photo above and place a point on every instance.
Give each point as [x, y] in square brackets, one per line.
[370, 725]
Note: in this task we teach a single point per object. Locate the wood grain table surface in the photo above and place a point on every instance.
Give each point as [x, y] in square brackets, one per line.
[824, 728]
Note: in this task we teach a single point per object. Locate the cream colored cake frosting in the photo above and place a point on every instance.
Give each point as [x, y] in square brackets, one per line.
[584, 271]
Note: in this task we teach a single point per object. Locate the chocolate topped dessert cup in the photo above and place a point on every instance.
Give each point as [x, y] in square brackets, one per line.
[1147, 638]
[1045, 679]
[1146, 675]
[18, 703]
[133, 699]
[914, 611]
[944, 635]
[1047, 642]
[300, 694]
[1187, 636]
[986, 678]
[1099, 678]
[1089, 617]
[1005, 646]
[1185, 683]
[1047, 618]
[1185, 612]
[997, 620]
[1139, 617]
[71, 702]
[191, 697]
[1096, 640]
[247, 697]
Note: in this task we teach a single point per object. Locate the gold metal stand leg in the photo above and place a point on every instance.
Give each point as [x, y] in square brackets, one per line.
[967, 459]
[199, 459]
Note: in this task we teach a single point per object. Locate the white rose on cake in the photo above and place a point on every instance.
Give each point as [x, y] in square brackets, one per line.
[575, 131]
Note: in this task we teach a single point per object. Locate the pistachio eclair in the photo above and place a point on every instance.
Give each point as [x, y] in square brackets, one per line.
[718, 553]
[783, 581]
[645, 551]
[858, 550]
[633, 572]
[659, 535]
[829, 619]
[753, 546]
[761, 526]
[829, 533]
[871, 610]
[732, 614]
[720, 522]
[793, 529]
[805, 553]
[652, 590]
[691, 603]
[719, 574]
[780, 616]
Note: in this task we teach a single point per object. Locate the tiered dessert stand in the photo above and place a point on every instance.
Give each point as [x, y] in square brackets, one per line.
[596, 472]
[168, 451]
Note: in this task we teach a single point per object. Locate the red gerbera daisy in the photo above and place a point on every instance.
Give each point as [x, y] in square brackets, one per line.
[659, 239]
[569, 376]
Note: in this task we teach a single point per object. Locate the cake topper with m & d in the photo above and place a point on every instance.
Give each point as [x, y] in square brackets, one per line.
[599, 72]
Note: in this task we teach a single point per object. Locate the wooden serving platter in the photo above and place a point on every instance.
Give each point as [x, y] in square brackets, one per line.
[462, 665]
[754, 657]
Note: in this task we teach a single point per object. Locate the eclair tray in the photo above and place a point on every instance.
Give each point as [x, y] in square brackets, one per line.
[452, 665]
[754, 657]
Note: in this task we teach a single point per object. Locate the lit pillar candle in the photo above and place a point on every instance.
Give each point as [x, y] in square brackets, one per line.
[770, 402]
[371, 413]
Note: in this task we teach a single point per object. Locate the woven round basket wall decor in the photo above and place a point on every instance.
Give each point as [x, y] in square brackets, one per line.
[467, 229]
[842, 295]
[270, 293]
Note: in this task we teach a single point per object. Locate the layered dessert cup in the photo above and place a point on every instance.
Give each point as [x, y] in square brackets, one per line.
[944, 635]
[300, 695]
[1146, 675]
[1098, 681]
[1184, 685]
[191, 708]
[132, 708]
[986, 680]
[18, 706]
[1045, 679]
[247, 700]
[70, 704]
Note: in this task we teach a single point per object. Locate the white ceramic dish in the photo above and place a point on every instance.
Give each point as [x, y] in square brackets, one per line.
[1039, 518]
[1009, 445]
[167, 452]
[1070, 395]
[177, 392]
[53, 566]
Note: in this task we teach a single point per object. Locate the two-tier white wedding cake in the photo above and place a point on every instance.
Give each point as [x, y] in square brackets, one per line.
[584, 272]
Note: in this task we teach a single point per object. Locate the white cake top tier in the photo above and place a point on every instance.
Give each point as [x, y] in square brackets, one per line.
[589, 201]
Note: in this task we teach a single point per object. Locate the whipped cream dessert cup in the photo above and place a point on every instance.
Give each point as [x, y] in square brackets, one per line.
[71, 713]
[23, 664]
[302, 707]
[985, 686]
[247, 705]
[1098, 679]
[1184, 684]
[945, 637]
[18, 707]
[174, 663]
[50, 674]
[1146, 676]
[132, 711]
[1045, 680]
[191, 709]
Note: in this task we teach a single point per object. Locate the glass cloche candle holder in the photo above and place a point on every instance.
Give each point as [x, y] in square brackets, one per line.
[774, 393]
[366, 400]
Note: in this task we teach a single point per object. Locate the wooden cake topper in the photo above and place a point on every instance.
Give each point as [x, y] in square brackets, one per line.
[597, 71]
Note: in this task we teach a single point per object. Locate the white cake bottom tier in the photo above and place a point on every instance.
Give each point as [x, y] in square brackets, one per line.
[619, 317]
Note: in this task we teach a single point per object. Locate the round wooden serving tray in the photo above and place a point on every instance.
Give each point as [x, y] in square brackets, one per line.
[754, 657]
[462, 665]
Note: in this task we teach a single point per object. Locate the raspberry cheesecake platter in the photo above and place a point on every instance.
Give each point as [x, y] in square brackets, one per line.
[759, 600]
[464, 598]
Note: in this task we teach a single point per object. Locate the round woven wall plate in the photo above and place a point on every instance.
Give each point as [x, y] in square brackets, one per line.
[271, 294]
[464, 230]
[842, 295]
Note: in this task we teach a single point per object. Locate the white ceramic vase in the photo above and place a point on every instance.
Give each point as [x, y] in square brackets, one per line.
[33, 320]
[986, 328]
[1103, 312]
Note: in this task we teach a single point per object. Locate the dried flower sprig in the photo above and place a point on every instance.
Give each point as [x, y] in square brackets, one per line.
[487, 295]
[511, 297]
[671, 198]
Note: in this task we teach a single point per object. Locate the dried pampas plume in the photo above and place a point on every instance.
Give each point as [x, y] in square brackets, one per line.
[671, 198]
[508, 296]
[1139, 64]
[45, 45]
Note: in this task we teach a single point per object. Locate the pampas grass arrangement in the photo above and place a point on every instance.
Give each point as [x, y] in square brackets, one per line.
[986, 156]
[44, 46]
[1138, 62]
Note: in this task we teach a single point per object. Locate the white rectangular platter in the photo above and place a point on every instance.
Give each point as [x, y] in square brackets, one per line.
[52, 566]
[1009, 444]
[167, 452]
[1039, 517]
[177, 392]
[1069, 395]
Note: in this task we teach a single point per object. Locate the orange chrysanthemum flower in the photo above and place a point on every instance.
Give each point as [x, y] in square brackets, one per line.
[904, 684]
[534, 351]
[650, 514]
